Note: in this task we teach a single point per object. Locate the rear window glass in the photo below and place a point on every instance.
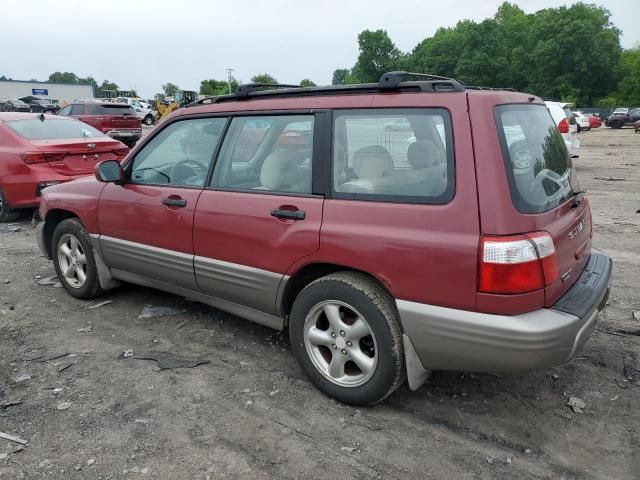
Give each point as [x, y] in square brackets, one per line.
[537, 162]
[115, 109]
[52, 129]
[395, 155]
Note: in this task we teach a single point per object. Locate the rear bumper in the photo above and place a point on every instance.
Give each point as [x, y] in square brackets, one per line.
[450, 339]
[23, 189]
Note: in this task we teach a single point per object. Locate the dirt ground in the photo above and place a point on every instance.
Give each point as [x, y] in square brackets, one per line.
[251, 413]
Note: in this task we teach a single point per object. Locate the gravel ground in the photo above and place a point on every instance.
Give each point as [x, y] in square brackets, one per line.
[251, 413]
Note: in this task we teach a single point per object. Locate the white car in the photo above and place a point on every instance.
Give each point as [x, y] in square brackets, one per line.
[582, 122]
[567, 125]
[143, 110]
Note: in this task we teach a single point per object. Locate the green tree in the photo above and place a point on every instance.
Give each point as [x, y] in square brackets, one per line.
[263, 78]
[307, 83]
[213, 87]
[63, 77]
[628, 91]
[378, 54]
[4, 78]
[105, 86]
[340, 76]
[169, 89]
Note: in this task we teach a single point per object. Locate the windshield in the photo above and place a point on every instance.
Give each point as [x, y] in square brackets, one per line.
[536, 159]
[35, 129]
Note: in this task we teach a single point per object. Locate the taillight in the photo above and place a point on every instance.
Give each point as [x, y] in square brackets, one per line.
[517, 264]
[563, 126]
[121, 151]
[40, 157]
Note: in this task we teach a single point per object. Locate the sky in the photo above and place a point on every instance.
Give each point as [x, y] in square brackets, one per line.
[142, 44]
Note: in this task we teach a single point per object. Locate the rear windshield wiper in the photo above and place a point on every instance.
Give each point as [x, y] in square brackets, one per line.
[578, 196]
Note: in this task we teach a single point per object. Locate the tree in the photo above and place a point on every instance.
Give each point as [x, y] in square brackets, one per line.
[217, 87]
[340, 76]
[104, 86]
[170, 89]
[307, 83]
[378, 54]
[63, 77]
[4, 78]
[628, 91]
[263, 78]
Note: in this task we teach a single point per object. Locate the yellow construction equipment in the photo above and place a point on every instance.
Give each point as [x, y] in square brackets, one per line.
[180, 99]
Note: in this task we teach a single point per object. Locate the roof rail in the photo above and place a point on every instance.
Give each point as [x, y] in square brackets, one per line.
[393, 79]
[388, 81]
[479, 87]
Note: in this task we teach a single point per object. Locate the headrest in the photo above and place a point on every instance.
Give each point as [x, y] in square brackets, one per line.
[424, 153]
[281, 169]
[372, 161]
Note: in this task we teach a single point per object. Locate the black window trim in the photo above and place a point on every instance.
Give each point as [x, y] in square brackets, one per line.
[443, 199]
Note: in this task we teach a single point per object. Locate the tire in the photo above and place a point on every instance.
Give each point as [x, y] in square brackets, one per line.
[7, 214]
[616, 124]
[357, 303]
[579, 128]
[71, 234]
[148, 120]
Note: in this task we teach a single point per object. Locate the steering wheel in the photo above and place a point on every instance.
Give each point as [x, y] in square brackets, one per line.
[184, 169]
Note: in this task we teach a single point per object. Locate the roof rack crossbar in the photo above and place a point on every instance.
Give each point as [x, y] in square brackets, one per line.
[390, 80]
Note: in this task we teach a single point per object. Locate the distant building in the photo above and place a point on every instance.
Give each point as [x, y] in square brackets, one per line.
[55, 92]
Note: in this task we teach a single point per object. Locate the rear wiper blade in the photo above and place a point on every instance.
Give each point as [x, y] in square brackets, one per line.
[577, 198]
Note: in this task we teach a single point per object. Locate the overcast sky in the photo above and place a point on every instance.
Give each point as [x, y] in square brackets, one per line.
[144, 43]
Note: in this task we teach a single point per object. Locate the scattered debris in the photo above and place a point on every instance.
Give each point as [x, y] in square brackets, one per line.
[14, 229]
[141, 420]
[273, 392]
[78, 467]
[527, 451]
[248, 403]
[614, 398]
[168, 360]
[86, 329]
[91, 461]
[10, 404]
[63, 406]
[489, 460]
[22, 378]
[64, 367]
[47, 281]
[101, 304]
[576, 404]
[150, 311]
[13, 438]
[48, 357]
[622, 385]
[636, 315]
[610, 179]
[509, 460]
[127, 353]
[555, 377]
[348, 449]
[7, 281]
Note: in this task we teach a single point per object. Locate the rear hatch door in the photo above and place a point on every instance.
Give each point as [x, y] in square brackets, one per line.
[532, 187]
[116, 116]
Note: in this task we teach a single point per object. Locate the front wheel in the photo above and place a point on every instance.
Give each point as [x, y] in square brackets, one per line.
[73, 260]
[148, 120]
[345, 334]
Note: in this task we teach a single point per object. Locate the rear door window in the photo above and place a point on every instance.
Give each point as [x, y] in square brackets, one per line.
[536, 159]
[395, 155]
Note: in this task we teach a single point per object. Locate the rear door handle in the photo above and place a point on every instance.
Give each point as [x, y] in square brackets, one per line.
[288, 214]
[174, 202]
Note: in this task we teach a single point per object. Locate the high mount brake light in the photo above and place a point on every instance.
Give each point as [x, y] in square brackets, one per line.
[517, 264]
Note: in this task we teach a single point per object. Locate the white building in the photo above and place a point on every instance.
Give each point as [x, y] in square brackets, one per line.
[55, 92]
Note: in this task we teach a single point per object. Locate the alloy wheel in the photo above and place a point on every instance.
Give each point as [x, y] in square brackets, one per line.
[72, 260]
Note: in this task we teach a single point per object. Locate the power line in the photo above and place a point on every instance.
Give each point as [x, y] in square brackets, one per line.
[229, 77]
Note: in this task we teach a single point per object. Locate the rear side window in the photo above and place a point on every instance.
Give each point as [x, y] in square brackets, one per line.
[50, 129]
[115, 109]
[536, 158]
[395, 155]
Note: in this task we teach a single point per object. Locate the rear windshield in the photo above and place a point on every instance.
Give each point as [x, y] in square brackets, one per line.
[35, 129]
[536, 158]
[115, 109]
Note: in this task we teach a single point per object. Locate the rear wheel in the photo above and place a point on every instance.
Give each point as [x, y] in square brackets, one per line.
[73, 260]
[7, 214]
[345, 334]
[616, 124]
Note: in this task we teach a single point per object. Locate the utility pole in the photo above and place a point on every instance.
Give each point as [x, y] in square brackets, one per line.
[229, 77]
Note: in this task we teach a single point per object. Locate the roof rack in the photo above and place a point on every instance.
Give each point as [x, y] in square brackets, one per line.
[390, 81]
[479, 87]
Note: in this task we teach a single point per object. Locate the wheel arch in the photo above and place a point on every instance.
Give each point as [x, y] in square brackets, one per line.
[52, 220]
[311, 272]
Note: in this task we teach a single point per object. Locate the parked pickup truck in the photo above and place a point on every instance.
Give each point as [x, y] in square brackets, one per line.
[619, 120]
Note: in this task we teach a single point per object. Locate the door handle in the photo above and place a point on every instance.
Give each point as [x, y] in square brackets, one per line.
[288, 214]
[174, 202]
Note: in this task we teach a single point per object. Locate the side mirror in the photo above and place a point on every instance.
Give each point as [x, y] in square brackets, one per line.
[110, 171]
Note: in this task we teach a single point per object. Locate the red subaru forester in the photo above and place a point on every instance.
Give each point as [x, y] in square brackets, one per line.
[411, 226]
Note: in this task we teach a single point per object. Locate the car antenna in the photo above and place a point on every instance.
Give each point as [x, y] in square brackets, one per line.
[41, 117]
